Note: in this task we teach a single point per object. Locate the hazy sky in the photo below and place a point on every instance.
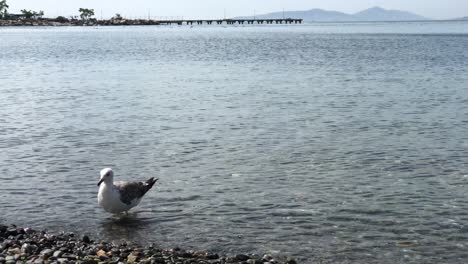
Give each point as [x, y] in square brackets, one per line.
[438, 9]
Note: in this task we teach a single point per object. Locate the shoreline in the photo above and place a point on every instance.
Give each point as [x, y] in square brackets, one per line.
[75, 22]
[26, 245]
[62, 21]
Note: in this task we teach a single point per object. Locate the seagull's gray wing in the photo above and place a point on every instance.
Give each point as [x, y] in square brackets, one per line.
[131, 191]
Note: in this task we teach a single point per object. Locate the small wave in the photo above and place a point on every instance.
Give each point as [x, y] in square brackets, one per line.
[184, 199]
[295, 212]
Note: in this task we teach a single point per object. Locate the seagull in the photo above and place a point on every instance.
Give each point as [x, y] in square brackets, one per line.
[118, 197]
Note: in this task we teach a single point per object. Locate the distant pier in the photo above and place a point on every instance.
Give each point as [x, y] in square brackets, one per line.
[230, 21]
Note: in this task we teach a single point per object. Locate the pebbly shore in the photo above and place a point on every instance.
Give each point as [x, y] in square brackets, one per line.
[25, 245]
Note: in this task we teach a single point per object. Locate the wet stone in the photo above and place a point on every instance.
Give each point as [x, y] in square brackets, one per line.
[13, 251]
[11, 231]
[132, 258]
[254, 261]
[26, 248]
[89, 261]
[86, 239]
[47, 253]
[62, 260]
[267, 258]
[241, 257]
[186, 255]
[28, 230]
[70, 256]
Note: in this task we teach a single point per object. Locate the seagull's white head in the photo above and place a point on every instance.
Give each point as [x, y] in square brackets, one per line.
[107, 176]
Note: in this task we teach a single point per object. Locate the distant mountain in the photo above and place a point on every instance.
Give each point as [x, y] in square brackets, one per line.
[320, 15]
[310, 15]
[380, 14]
[462, 18]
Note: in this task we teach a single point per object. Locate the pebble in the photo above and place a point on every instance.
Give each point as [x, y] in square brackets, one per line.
[26, 248]
[18, 245]
[254, 261]
[47, 252]
[267, 258]
[86, 239]
[241, 257]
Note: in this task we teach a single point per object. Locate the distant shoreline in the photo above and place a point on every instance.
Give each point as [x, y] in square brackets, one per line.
[146, 22]
[143, 22]
[75, 22]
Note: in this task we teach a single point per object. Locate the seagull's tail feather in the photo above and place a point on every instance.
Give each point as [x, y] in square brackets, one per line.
[150, 183]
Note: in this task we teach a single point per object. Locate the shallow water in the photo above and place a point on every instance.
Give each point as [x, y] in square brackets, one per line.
[328, 142]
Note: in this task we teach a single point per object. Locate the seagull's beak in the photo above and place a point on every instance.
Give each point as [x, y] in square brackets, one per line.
[99, 183]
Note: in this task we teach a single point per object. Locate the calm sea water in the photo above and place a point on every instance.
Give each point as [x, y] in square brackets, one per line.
[333, 143]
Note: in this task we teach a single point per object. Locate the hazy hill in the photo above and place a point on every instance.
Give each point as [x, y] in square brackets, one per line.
[380, 14]
[320, 15]
[310, 15]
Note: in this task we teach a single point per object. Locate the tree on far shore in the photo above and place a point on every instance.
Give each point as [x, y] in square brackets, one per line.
[28, 14]
[3, 9]
[117, 17]
[86, 13]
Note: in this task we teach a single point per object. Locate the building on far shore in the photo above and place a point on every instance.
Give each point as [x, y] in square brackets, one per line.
[15, 16]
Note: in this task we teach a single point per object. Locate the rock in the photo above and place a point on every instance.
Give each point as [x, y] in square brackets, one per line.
[145, 261]
[86, 239]
[254, 261]
[200, 254]
[58, 254]
[62, 260]
[10, 259]
[132, 258]
[241, 257]
[13, 251]
[11, 231]
[69, 256]
[186, 254]
[231, 260]
[21, 231]
[212, 256]
[89, 260]
[28, 230]
[101, 253]
[47, 252]
[26, 248]
[158, 260]
[291, 261]
[267, 258]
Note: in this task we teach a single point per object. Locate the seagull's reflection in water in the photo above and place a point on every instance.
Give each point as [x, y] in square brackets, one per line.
[127, 227]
